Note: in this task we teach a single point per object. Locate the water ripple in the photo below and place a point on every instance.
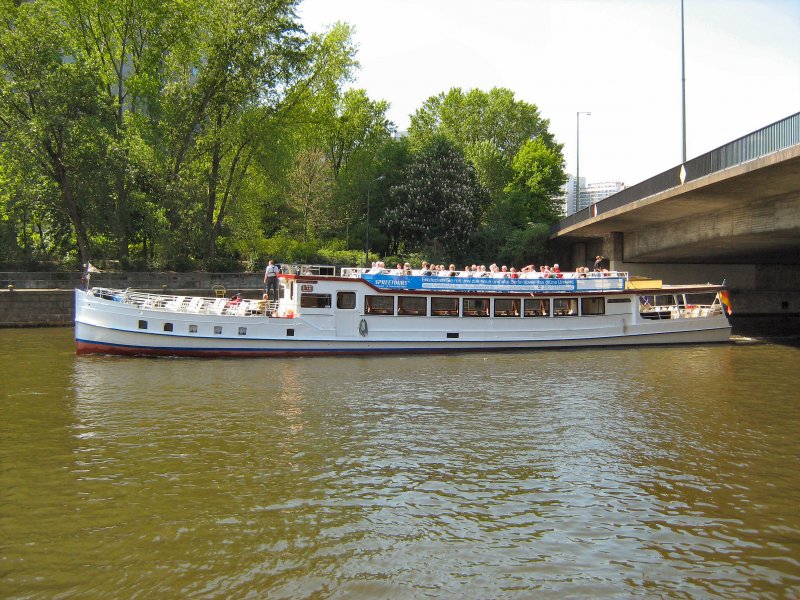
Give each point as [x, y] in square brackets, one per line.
[564, 474]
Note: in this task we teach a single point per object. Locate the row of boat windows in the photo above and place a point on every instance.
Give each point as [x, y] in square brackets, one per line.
[467, 307]
[170, 327]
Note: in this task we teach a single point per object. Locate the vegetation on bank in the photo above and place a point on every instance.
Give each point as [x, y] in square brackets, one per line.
[200, 134]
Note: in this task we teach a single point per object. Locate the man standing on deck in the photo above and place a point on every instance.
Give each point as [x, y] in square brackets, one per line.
[598, 263]
[271, 280]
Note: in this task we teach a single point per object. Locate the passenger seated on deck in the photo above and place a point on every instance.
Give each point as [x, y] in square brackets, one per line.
[425, 269]
[235, 299]
[377, 268]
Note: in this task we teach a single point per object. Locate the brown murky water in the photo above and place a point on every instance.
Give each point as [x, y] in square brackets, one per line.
[651, 472]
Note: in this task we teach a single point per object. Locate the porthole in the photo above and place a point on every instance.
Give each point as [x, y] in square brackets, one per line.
[167, 326]
[217, 329]
[142, 324]
[192, 328]
[242, 330]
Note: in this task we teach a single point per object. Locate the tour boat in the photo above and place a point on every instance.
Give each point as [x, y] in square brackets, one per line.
[355, 311]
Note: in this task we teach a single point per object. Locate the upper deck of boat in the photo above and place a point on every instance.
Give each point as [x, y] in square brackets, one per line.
[459, 282]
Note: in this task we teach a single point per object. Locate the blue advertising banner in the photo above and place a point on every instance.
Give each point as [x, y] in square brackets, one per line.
[491, 284]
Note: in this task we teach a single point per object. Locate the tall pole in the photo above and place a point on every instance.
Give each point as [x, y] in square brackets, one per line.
[683, 87]
[578, 160]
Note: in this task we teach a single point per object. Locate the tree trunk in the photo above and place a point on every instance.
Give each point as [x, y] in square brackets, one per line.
[61, 177]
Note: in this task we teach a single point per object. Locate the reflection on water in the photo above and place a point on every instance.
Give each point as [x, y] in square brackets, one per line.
[666, 472]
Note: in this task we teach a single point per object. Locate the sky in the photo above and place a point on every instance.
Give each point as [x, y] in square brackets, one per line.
[618, 59]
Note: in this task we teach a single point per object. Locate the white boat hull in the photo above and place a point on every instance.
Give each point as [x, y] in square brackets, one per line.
[108, 327]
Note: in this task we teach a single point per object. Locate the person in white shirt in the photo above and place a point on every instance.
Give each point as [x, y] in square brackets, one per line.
[271, 281]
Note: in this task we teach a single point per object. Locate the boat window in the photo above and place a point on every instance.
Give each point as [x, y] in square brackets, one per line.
[537, 307]
[593, 306]
[476, 307]
[444, 307]
[379, 305]
[142, 324]
[565, 307]
[668, 300]
[315, 300]
[345, 299]
[242, 330]
[217, 329]
[506, 307]
[619, 300]
[167, 326]
[192, 328]
[412, 305]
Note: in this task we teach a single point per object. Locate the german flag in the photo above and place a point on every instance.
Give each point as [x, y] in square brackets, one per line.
[725, 298]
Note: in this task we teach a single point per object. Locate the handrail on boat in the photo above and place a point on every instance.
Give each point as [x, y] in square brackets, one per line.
[187, 304]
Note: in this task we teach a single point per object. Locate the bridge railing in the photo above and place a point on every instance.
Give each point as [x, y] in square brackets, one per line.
[772, 138]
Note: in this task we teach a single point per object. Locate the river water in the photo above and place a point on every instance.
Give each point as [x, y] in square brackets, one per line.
[668, 472]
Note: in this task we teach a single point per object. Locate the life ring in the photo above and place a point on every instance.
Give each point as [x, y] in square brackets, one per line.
[362, 328]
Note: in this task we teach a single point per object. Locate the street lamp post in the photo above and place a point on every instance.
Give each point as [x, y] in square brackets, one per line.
[683, 90]
[578, 159]
[366, 240]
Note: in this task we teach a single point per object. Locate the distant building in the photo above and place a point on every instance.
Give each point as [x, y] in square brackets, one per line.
[568, 194]
[602, 189]
[589, 193]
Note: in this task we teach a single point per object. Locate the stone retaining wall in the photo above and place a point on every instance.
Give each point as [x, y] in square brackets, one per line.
[56, 308]
[36, 308]
[147, 281]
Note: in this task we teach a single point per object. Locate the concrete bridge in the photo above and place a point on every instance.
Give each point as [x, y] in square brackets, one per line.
[732, 214]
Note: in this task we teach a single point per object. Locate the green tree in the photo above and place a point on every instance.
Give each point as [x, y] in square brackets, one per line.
[124, 42]
[537, 182]
[437, 205]
[309, 193]
[515, 157]
[52, 117]
[489, 127]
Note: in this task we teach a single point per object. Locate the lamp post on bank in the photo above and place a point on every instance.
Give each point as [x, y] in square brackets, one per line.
[578, 159]
[366, 240]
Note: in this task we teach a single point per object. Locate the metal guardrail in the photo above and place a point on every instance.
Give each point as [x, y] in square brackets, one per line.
[767, 140]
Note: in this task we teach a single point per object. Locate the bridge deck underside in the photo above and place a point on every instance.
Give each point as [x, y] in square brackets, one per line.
[748, 213]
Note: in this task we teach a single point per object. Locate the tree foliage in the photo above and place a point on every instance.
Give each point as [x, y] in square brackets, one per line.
[196, 133]
[437, 205]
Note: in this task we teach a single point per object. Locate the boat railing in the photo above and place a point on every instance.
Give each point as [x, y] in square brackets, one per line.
[679, 311]
[356, 272]
[189, 304]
